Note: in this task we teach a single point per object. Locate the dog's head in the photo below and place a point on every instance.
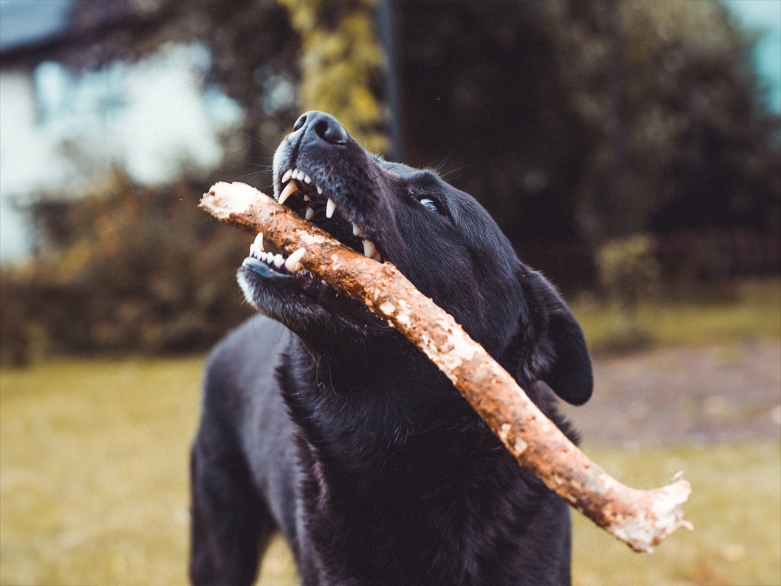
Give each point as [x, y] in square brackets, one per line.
[439, 237]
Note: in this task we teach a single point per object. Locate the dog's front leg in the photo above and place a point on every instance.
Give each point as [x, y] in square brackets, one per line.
[231, 526]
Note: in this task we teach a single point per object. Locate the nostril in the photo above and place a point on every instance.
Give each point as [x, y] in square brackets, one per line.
[331, 131]
[299, 123]
[317, 127]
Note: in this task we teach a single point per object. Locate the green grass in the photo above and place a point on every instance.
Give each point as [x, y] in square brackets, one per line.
[93, 470]
[751, 310]
[735, 507]
[93, 489]
[93, 473]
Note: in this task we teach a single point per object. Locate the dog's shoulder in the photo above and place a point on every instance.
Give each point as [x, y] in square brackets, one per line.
[240, 369]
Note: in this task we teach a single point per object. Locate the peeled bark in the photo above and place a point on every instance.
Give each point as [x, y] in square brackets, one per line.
[640, 518]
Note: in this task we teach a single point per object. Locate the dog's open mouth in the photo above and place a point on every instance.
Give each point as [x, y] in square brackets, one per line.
[298, 191]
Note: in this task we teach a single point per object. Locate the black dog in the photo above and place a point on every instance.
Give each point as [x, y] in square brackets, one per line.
[323, 422]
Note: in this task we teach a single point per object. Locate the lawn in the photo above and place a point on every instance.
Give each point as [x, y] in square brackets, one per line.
[93, 479]
[93, 489]
[748, 309]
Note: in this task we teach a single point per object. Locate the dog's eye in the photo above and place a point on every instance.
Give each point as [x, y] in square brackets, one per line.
[429, 203]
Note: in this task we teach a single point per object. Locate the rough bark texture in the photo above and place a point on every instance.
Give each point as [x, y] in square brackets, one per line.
[640, 518]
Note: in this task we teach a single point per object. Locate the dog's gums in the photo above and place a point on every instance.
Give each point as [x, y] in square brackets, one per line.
[297, 183]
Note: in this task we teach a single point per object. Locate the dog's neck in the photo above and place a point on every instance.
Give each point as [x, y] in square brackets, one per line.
[376, 449]
[341, 395]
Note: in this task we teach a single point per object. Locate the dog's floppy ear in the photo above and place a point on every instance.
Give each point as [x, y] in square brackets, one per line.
[554, 349]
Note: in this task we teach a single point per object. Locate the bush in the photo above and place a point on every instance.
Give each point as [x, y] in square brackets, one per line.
[130, 270]
[628, 273]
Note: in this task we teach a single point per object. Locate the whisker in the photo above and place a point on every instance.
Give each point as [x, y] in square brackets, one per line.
[271, 148]
[449, 174]
[441, 165]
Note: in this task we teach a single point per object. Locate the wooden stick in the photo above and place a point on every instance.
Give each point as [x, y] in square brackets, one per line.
[640, 518]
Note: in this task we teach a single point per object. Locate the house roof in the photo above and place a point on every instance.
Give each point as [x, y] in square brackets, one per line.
[32, 21]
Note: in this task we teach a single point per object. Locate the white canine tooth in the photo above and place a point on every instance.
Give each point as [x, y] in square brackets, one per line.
[292, 260]
[259, 242]
[330, 207]
[307, 179]
[319, 190]
[289, 190]
[369, 250]
[279, 260]
[356, 230]
[286, 176]
[309, 213]
[298, 267]
[252, 249]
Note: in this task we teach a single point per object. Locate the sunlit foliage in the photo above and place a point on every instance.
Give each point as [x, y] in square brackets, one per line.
[125, 269]
[341, 64]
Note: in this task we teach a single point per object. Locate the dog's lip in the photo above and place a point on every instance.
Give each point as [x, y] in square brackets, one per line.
[262, 268]
[316, 205]
[261, 265]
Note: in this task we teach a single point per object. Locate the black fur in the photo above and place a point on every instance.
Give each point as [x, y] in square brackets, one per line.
[321, 421]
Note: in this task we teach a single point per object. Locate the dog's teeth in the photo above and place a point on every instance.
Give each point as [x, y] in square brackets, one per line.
[307, 179]
[307, 198]
[330, 207]
[319, 190]
[259, 242]
[252, 250]
[286, 176]
[279, 260]
[369, 250]
[309, 214]
[292, 260]
[297, 174]
[289, 190]
[357, 231]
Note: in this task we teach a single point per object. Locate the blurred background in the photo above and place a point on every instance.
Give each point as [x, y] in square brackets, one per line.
[631, 150]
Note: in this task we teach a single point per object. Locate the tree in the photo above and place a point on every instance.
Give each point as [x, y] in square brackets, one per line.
[341, 64]
[702, 149]
[520, 94]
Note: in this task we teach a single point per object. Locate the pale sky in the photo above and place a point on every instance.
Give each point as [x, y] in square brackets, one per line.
[764, 16]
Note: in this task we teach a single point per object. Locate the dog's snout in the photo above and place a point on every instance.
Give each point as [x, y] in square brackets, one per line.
[321, 127]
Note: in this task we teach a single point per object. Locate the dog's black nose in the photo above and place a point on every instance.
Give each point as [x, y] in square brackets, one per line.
[319, 126]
